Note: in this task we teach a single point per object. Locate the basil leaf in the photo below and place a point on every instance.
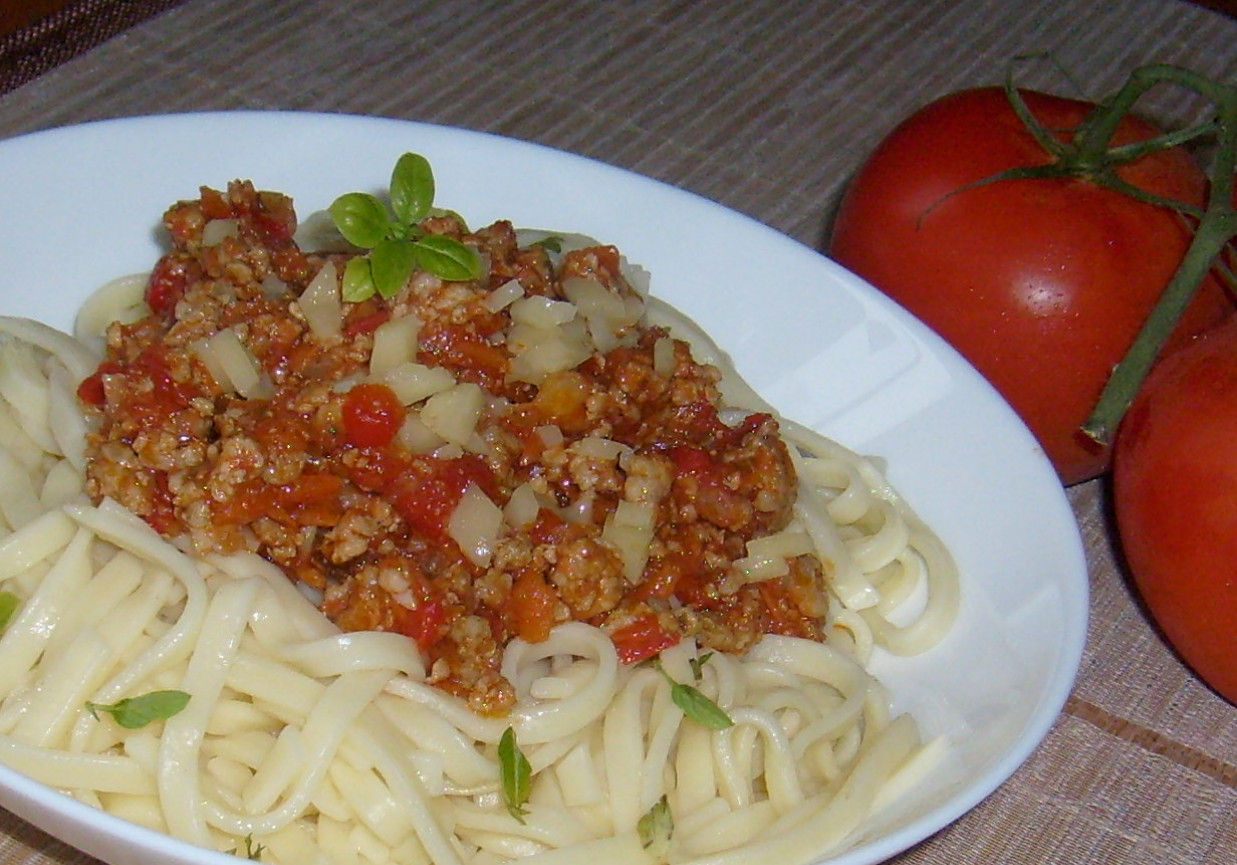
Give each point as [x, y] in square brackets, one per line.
[655, 829]
[700, 708]
[9, 603]
[361, 218]
[447, 258]
[133, 713]
[391, 263]
[516, 774]
[412, 188]
[696, 705]
[358, 283]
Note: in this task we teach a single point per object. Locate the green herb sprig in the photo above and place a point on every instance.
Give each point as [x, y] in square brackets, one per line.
[133, 713]
[694, 703]
[9, 604]
[397, 244]
[516, 774]
[655, 829]
[252, 851]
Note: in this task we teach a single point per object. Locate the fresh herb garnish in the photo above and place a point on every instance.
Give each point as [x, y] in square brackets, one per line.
[9, 603]
[133, 713]
[516, 774]
[697, 665]
[552, 243]
[252, 851]
[695, 704]
[396, 242]
[655, 829]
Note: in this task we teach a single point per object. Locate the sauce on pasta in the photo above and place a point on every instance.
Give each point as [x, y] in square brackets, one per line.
[331, 467]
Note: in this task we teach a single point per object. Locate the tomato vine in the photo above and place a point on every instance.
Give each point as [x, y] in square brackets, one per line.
[1216, 228]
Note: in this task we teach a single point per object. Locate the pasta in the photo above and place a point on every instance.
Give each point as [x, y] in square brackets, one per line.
[315, 745]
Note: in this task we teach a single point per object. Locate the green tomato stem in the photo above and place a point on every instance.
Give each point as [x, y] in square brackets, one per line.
[1216, 228]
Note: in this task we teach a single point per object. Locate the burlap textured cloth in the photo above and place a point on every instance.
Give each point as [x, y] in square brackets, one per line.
[766, 106]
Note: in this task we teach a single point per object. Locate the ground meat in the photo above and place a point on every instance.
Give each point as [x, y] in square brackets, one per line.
[359, 497]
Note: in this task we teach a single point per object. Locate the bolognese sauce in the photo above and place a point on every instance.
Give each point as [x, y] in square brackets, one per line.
[464, 463]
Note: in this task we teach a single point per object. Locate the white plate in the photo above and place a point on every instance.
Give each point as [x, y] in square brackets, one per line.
[81, 205]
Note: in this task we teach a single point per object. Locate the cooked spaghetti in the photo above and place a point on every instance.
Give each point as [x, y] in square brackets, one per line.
[368, 538]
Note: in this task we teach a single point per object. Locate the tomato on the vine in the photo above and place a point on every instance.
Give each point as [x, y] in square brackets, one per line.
[1175, 499]
[1042, 283]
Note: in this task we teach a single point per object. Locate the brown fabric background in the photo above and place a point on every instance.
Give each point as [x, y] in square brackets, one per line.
[66, 33]
[766, 106]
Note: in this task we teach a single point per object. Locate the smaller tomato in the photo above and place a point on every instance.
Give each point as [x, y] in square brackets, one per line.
[1175, 485]
[373, 415]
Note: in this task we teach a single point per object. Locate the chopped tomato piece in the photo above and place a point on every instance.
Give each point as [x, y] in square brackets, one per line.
[642, 639]
[373, 415]
[466, 354]
[90, 391]
[532, 606]
[690, 460]
[425, 625]
[167, 284]
[428, 491]
[367, 323]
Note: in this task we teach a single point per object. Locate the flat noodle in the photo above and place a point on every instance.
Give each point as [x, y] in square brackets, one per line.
[329, 747]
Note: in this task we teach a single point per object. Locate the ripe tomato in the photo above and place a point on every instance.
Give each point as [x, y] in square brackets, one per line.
[1041, 283]
[1175, 498]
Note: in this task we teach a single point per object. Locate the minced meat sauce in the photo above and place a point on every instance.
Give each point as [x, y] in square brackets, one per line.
[320, 468]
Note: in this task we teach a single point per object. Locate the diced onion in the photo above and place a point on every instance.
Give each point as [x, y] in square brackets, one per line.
[522, 507]
[579, 511]
[218, 230]
[599, 447]
[273, 286]
[629, 529]
[395, 343]
[594, 299]
[201, 349]
[603, 309]
[231, 364]
[416, 436]
[321, 305]
[767, 556]
[453, 413]
[542, 312]
[503, 296]
[475, 524]
[550, 434]
[663, 356]
[413, 382]
[541, 351]
[638, 515]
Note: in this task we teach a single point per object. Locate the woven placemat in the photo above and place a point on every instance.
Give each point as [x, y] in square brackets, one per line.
[66, 33]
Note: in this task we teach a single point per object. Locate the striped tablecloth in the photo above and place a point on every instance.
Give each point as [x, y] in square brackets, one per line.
[766, 106]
